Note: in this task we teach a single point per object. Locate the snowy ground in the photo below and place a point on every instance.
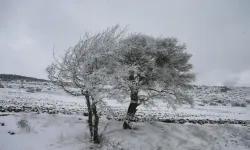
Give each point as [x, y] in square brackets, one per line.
[68, 132]
[60, 132]
[55, 99]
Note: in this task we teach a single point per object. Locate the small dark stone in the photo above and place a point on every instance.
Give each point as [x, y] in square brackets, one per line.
[9, 109]
[182, 121]
[52, 112]
[174, 121]
[69, 113]
[11, 133]
[213, 104]
[241, 122]
[167, 120]
[193, 121]
[212, 122]
[17, 110]
[206, 121]
[79, 118]
[4, 114]
[200, 122]
[2, 110]
[2, 124]
[85, 114]
[201, 104]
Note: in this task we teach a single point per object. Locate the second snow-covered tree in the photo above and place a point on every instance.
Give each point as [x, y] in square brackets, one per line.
[159, 67]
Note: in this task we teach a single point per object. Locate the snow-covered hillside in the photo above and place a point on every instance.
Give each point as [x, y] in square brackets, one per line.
[216, 95]
[210, 102]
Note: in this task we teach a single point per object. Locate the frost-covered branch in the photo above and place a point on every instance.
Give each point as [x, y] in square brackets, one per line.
[88, 67]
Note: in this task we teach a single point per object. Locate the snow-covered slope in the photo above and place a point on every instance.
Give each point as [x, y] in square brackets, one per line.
[210, 102]
[216, 95]
[60, 132]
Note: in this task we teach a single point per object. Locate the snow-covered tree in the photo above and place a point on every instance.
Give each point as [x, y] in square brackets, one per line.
[157, 66]
[85, 69]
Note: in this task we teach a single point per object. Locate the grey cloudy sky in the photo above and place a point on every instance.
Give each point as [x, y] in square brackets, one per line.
[217, 32]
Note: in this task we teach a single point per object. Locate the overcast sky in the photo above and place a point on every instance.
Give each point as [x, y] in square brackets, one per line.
[217, 32]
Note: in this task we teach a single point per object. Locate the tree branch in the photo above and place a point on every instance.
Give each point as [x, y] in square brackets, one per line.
[66, 90]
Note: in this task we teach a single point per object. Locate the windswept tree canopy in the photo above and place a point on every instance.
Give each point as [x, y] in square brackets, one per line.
[159, 66]
[87, 65]
[128, 65]
[137, 62]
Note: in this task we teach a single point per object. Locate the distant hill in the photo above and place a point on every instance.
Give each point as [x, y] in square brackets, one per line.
[10, 77]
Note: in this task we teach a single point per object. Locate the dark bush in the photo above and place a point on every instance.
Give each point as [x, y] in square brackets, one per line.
[213, 104]
[38, 89]
[31, 90]
[238, 104]
[224, 89]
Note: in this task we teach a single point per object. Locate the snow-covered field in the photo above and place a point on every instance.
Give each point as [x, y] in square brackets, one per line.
[60, 132]
[53, 100]
[53, 130]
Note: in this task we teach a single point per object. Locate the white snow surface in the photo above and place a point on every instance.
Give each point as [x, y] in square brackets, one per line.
[61, 132]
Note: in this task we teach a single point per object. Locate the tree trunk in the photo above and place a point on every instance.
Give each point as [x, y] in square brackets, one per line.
[131, 109]
[90, 115]
[96, 122]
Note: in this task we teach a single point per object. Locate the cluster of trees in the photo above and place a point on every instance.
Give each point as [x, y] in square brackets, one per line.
[114, 64]
[10, 77]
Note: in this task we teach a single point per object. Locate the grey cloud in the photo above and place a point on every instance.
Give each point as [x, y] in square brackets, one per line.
[231, 82]
[239, 79]
[217, 33]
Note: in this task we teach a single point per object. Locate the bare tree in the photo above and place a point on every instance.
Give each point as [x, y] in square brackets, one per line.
[85, 69]
[158, 66]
